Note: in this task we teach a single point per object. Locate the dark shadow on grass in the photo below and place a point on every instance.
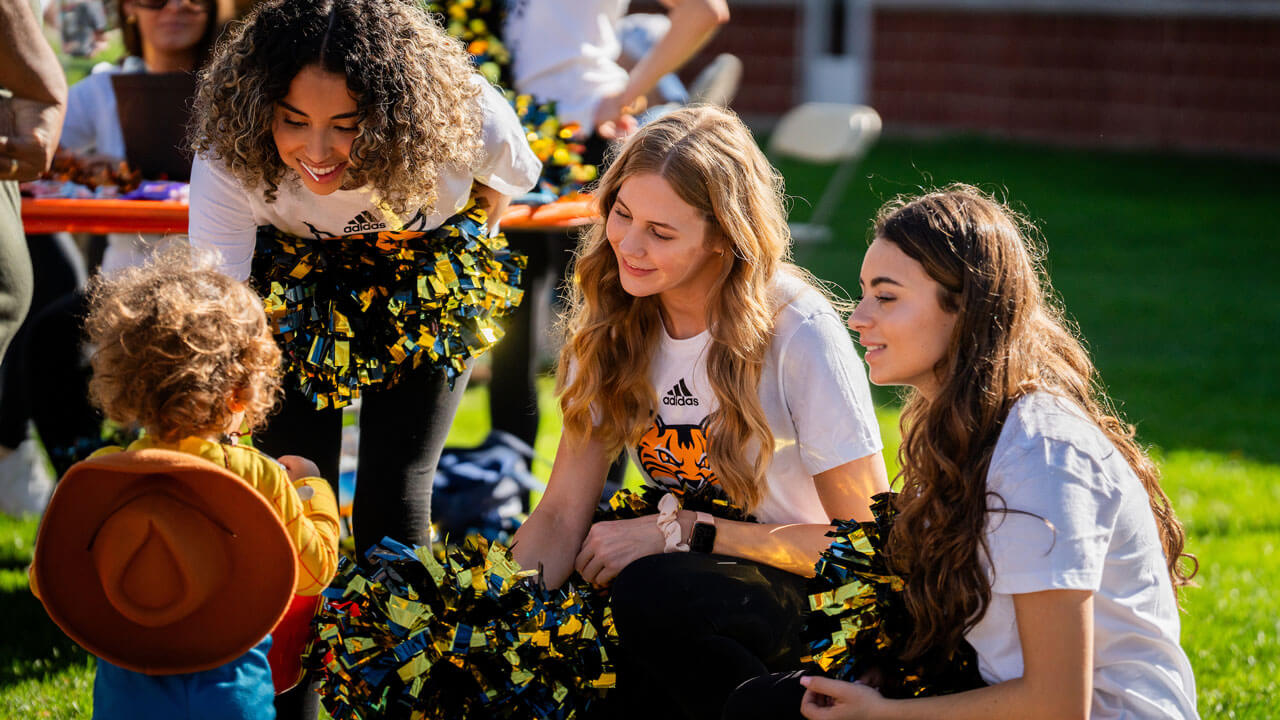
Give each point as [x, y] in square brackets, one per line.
[34, 647]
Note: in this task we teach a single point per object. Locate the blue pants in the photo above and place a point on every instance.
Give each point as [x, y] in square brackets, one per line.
[238, 690]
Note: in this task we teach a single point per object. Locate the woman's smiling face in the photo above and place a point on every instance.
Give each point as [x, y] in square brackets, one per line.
[314, 128]
[899, 321]
[660, 242]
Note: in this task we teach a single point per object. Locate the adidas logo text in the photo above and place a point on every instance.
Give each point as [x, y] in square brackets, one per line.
[679, 395]
[364, 222]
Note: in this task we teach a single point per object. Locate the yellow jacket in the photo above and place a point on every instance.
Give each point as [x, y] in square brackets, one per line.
[312, 523]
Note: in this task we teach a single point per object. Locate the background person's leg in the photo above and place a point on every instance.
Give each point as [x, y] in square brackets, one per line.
[58, 366]
[402, 431]
[15, 266]
[513, 390]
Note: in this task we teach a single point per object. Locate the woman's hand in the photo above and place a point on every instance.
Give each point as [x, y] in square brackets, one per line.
[494, 203]
[613, 545]
[615, 118]
[827, 699]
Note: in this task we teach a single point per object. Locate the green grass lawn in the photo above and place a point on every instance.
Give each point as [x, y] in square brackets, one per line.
[1166, 262]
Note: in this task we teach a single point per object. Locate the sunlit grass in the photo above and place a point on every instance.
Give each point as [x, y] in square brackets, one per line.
[1168, 264]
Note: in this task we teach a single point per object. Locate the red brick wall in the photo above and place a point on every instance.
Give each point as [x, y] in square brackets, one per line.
[764, 38]
[1196, 83]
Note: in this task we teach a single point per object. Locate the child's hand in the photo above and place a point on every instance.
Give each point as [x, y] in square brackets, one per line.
[299, 467]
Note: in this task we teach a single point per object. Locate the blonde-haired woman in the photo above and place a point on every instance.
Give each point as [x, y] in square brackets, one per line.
[695, 345]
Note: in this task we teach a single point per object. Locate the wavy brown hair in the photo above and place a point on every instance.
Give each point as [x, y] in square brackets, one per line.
[712, 163]
[418, 104]
[1011, 338]
[174, 341]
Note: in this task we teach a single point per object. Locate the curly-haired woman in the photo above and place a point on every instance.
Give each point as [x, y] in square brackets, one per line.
[1030, 522]
[326, 119]
[694, 344]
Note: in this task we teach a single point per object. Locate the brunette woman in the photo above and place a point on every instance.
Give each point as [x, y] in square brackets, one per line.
[1030, 522]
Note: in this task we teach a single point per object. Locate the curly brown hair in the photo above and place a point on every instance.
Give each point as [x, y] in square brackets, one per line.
[418, 104]
[173, 342]
[1011, 338]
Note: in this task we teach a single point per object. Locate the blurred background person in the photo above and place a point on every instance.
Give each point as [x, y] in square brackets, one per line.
[30, 123]
[137, 111]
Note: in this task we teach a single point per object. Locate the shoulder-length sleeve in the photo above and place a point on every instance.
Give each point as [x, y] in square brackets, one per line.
[508, 165]
[1052, 511]
[827, 395]
[221, 217]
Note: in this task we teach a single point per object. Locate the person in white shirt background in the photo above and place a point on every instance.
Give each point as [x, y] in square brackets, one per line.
[568, 51]
[160, 36]
[1062, 554]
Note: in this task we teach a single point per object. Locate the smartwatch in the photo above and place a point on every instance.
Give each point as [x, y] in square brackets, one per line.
[703, 537]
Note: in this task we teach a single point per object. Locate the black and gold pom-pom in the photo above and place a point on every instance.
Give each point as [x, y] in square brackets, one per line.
[361, 310]
[859, 621]
[706, 497]
[563, 172]
[456, 632]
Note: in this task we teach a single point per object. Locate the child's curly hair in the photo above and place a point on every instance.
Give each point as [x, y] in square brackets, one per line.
[418, 104]
[173, 342]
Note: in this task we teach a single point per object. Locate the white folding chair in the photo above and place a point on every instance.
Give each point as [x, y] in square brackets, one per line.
[718, 82]
[825, 134]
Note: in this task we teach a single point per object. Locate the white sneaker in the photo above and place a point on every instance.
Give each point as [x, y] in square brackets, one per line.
[25, 483]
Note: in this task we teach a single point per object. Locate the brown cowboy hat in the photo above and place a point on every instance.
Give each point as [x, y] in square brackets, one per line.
[162, 562]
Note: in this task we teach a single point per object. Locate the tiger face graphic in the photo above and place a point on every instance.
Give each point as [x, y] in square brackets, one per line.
[676, 455]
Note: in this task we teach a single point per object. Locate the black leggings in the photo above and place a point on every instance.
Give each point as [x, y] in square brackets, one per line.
[694, 627]
[513, 394]
[402, 430]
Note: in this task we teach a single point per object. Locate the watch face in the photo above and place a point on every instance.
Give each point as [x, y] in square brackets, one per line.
[703, 538]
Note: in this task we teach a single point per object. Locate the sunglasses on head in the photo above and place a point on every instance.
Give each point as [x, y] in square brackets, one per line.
[201, 5]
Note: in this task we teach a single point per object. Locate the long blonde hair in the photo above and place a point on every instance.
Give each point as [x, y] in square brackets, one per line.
[711, 161]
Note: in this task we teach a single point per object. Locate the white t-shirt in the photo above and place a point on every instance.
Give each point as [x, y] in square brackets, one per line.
[92, 126]
[567, 51]
[225, 215]
[815, 396]
[1097, 534]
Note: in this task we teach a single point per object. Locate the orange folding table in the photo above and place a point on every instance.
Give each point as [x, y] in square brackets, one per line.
[47, 215]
